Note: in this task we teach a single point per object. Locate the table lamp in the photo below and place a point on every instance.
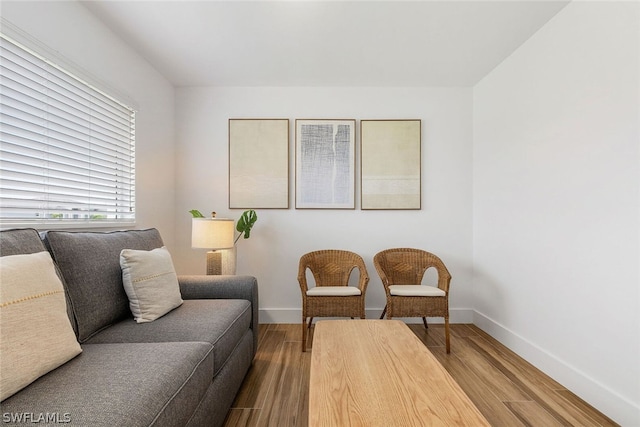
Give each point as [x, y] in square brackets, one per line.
[213, 234]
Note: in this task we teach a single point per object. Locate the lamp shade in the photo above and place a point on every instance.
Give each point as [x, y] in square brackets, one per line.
[212, 233]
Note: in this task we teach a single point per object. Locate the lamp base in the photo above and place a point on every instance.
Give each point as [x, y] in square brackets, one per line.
[229, 261]
[214, 263]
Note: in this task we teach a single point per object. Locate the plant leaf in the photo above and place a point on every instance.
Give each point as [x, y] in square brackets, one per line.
[196, 213]
[246, 222]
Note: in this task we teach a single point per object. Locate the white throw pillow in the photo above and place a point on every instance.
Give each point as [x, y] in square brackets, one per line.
[37, 336]
[150, 282]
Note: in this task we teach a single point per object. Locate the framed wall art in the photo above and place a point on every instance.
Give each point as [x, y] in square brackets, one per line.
[325, 164]
[259, 163]
[390, 164]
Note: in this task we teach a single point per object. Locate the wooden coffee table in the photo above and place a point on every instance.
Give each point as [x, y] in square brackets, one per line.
[378, 373]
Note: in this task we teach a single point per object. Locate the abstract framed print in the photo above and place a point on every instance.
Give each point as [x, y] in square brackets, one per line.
[390, 164]
[259, 163]
[325, 164]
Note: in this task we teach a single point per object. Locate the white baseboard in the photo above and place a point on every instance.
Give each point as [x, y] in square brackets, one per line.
[607, 401]
[293, 315]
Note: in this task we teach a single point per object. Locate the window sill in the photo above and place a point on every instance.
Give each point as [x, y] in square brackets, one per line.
[66, 225]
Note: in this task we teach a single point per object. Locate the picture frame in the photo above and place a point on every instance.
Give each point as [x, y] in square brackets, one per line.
[391, 170]
[258, 163]
[325, 164]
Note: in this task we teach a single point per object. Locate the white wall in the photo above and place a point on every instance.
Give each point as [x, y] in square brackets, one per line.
[556, 203]
[542, 238]
[280, 237]
[69, 29]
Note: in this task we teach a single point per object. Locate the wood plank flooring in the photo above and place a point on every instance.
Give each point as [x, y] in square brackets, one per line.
[507, 390]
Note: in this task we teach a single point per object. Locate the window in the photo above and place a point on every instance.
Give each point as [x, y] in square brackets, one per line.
[67, 150]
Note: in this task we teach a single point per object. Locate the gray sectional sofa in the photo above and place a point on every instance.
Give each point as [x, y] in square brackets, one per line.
[183, 369]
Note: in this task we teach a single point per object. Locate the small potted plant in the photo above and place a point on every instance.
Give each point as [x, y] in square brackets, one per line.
[244, 225]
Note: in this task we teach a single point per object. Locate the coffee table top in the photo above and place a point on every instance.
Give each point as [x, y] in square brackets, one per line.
[378, 373]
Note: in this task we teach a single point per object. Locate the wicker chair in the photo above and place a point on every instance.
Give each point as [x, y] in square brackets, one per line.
[401, 271]
[332, 296]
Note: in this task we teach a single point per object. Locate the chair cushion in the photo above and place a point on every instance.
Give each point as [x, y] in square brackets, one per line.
[90, 265]
[36, 333]
[152, 384]
[334, 291]
[151, 283]
[416, 291]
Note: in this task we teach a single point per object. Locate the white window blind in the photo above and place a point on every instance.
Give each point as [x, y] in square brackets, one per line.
[67, 150]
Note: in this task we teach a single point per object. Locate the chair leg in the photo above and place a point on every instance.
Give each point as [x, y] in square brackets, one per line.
[310, 320]
[424, 320]
[446, 334]
[383, 312]
[304, 334]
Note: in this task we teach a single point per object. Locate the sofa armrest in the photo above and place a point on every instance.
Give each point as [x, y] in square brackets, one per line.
[224, 287]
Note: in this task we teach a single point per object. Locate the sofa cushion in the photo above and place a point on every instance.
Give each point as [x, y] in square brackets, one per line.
[153, 384]
[90, 265]
[221, 323]
[20, 241]
[150, 282]
[36, 333]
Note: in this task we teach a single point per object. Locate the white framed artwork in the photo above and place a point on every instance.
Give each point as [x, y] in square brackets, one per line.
[390, 164]
[258, 163]
[325, 164]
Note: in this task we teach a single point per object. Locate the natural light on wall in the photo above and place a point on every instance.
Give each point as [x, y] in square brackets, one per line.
[67, 149]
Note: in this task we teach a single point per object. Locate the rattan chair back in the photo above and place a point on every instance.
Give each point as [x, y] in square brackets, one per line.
[331, 267]
[406, 266]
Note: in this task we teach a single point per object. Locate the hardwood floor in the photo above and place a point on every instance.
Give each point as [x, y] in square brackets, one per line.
[506, 389]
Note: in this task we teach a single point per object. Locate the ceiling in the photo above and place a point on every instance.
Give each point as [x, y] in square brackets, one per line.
[324, 43]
